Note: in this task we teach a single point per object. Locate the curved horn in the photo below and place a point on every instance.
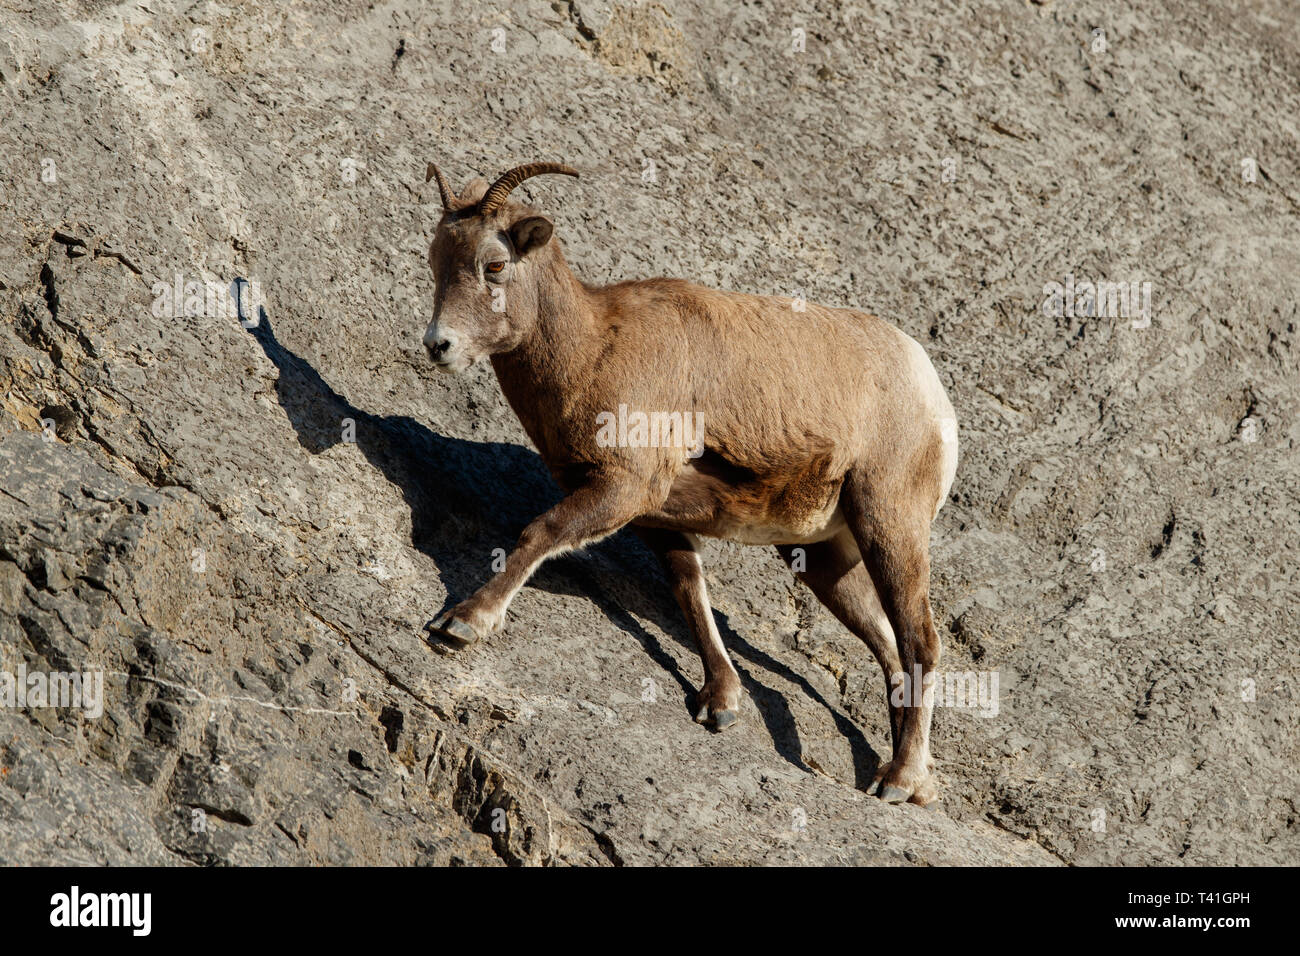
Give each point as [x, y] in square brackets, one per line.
[449, 202]
[500, 189]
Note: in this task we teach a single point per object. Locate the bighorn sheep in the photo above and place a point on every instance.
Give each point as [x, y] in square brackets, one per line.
[825, 432]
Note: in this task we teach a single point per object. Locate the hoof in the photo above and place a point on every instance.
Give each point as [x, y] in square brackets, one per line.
[900, 787]
[894, 794]
[454, 630]
[724, 719]
[718, 714]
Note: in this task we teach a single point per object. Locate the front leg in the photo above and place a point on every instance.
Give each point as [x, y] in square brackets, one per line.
[718, 702]
[590, 513]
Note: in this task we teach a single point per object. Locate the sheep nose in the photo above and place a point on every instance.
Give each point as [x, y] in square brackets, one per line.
[438, 344]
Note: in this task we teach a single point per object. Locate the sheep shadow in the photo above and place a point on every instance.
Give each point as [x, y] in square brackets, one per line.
[469, 497]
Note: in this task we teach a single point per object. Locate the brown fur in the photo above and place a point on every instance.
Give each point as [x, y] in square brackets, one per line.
[821, 431]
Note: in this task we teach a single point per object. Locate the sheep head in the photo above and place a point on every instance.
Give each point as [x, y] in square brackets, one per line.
[486, 257]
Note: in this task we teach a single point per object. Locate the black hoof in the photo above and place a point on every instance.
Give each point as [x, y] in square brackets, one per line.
[718, 719]
[724, 719]
[453, 629]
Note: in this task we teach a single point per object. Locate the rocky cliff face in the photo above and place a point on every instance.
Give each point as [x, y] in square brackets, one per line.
[244, 526]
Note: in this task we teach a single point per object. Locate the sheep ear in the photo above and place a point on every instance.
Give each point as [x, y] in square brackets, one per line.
[530, 233]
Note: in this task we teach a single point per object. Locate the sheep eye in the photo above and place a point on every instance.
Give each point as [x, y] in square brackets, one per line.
[495, 267]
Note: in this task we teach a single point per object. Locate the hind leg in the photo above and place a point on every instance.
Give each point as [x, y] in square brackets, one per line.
[894, 540]
[834, 571]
